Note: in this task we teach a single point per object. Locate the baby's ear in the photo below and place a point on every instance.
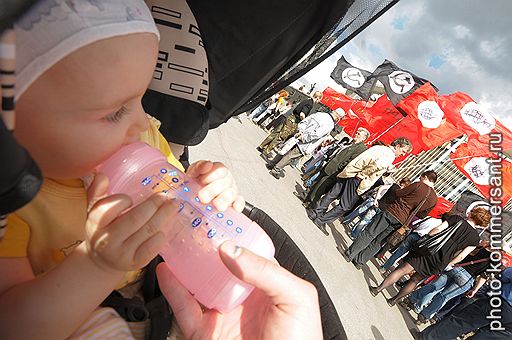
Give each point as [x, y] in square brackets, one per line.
[96, 189]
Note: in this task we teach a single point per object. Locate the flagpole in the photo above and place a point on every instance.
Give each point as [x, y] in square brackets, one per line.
[439, 162]
[385, 131]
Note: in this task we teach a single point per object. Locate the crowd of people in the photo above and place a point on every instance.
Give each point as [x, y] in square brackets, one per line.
[434, 261]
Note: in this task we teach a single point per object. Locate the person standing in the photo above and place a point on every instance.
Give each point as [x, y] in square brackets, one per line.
[311, 132]
[373, 205]
[446, 245]
[286, 130]
[357, 178]
[419, 228]
[419, 195]
[327, 176]
[474, 317]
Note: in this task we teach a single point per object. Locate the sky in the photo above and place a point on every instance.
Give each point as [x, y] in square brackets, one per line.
[459, 45]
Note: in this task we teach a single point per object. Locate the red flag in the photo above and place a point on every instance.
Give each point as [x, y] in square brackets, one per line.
[334, 100]
[352, 107]
[468, 116]
[387, 124]
[429, 117]
[472, 119]
[381, 116]
[350, 125]
[475, 166]
[442, 206]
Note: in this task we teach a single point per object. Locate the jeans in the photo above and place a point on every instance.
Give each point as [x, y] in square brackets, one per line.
[258, 111]
[360, 210]
[312, 164]
[439, 291]
[409, 241]
[311, 180]
[363, 207]
[365, 220]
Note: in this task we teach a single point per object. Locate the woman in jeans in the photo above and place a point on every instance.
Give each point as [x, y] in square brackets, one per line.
[429, 299]
[419, 228]
[459, 239]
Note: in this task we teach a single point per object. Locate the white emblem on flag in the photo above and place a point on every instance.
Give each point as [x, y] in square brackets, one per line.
[401, 82]
[353, 77]
[479, 119]
[430, 114]
[478, 169]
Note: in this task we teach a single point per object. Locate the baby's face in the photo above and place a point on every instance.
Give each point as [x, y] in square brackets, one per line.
[87, 105]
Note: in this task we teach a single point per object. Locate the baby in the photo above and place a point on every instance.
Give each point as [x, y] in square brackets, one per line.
[82, 69]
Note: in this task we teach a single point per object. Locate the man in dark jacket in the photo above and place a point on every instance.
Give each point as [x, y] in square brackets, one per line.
[289, 127]
[393, 217]
[327, 176]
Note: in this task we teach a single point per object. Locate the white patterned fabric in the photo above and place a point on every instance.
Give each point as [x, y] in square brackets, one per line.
[53, 29]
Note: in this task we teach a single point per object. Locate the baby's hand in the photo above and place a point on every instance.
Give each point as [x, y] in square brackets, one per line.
[124, 241]
[218, 185]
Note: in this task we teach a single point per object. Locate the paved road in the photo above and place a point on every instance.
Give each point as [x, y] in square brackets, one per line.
[363, 316]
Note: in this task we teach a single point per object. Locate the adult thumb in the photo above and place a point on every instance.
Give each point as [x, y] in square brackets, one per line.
[278, 283]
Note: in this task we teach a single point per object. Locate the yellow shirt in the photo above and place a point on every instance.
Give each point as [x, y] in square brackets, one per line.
[48, 228]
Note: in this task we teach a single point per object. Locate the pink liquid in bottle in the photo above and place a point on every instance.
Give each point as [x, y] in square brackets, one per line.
[139, 170]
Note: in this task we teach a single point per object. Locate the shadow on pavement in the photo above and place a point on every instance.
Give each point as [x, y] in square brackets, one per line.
[376, 333]
[339, 238]
[368, 276]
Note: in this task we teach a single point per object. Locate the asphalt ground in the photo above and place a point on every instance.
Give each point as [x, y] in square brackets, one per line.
[363, 316]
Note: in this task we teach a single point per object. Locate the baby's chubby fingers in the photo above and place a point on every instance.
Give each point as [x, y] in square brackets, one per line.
[102, 209]
[218, 185]
[141, 219]
[199, 168]
[150, 238]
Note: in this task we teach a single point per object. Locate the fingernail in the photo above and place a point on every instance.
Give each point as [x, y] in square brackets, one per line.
[88, 179]
[206, 195]
[231, 249]
[166, 195]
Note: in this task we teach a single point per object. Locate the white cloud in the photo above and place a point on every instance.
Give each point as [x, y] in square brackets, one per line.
[492, 48]
[471, 36]
[461, 32]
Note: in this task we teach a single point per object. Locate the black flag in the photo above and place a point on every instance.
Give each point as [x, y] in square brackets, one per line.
[352, 78]
[398, 83]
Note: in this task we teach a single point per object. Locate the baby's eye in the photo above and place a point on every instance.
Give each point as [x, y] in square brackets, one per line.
[116, 116]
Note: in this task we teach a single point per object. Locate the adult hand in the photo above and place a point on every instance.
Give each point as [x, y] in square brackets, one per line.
[282, 306]
[218, 185]
[120, 240]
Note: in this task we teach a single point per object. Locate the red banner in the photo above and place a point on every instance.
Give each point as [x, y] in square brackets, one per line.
[334, 100]
[442, 206]
[388, 124]
[472, 119]
[430, 119]
[476, 167]
[352, 107]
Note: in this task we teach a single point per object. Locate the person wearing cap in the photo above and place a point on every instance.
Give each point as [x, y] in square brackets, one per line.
[310, 134]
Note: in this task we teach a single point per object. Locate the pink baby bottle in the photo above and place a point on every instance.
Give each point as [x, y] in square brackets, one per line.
[139, 170]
